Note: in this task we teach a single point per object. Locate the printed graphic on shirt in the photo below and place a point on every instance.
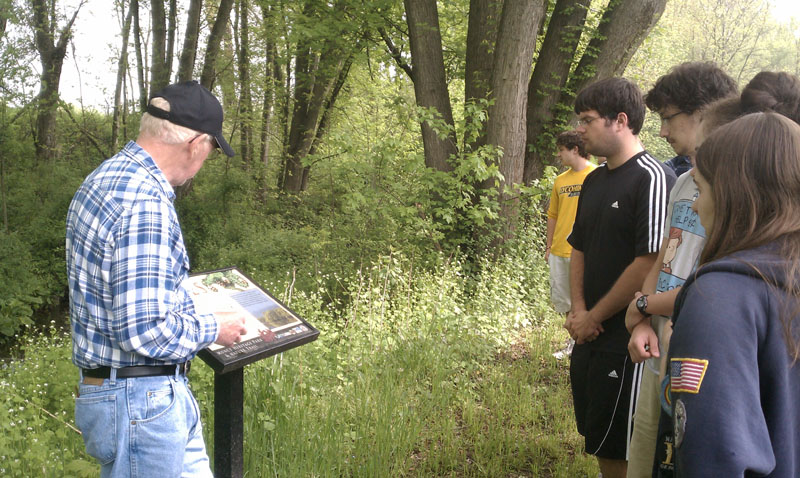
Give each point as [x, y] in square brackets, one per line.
[686, 374]
[685, 231]
[570, 190]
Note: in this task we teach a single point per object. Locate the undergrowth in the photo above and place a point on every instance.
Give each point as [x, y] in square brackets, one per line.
[422, 372]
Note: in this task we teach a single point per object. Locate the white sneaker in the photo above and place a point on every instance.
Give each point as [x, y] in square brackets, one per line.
[566, 352]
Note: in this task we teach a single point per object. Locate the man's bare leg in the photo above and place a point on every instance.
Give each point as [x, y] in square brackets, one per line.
[612, 468]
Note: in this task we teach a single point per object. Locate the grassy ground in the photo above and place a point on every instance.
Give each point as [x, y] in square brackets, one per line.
[420, 376]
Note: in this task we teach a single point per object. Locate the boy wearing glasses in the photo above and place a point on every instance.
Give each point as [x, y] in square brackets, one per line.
[679, 98]
[615, 240]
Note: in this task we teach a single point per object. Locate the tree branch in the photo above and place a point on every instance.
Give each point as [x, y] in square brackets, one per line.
[65, 36]
[396, 53]
[83, 130]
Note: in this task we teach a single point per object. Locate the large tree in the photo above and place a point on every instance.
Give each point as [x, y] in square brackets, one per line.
[430, 85]
[505, 128]
[499, 52]
[214, 43]
[122, 68]
[319, 61]
[623, 26]
[550, 77]
[52, 49]
[189, 51]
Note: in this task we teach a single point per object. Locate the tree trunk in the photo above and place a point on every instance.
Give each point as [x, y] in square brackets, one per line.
[172, 19]
[159, 75]
[430, 84]
[269, 88]
[510, 75]
[137, 36]
[189, 51]
[625, 24]
[312, 88]
[122, 67]
[51, 55]
[285, 117]
[245, 100]
[214, 43]
[484, 20]
[326, 115]
[549, 77]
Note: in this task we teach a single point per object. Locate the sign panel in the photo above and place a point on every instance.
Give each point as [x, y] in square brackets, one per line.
[271, 326]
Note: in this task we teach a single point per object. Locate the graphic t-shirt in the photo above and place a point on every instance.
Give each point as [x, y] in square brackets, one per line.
[685, 239]
[564, 205]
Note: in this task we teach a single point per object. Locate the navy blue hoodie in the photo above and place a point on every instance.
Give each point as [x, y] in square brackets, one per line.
[735, 393]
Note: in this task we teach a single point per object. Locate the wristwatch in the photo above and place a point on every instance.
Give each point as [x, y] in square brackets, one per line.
[641, 304]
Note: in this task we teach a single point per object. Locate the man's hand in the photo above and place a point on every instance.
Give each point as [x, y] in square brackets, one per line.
[643, 343]
[231, 328]
[547, 254]
[632, 316]
[582, 326]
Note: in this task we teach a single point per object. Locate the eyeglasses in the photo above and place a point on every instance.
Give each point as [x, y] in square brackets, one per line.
[665, 119]
[586, 121]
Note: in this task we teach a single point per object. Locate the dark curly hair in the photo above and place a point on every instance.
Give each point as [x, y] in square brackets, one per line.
[572, 139]
[613, 96]
[690, 86]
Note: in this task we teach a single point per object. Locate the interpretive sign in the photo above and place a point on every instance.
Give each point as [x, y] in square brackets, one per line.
[271, 326]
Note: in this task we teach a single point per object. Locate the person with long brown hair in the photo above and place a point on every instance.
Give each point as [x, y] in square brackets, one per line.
[734, 379]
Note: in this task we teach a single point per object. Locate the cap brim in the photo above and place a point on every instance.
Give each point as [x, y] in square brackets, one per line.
[223, 145]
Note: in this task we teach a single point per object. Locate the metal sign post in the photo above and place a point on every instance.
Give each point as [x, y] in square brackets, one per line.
[229, 424]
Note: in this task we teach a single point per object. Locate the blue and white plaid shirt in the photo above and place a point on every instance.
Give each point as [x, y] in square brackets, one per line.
[126, 262]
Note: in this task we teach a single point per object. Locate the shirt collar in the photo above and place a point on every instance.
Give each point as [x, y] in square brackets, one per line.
[143, 158]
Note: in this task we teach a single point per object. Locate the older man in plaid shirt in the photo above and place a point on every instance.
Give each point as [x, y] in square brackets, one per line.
[134, 327]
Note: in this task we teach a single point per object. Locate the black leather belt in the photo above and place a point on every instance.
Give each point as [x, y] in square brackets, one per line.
[138, 371]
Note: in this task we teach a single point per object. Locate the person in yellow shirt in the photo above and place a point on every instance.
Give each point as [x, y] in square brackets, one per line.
[561, 215]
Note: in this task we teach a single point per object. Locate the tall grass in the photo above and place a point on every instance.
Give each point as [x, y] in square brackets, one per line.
[424, 372]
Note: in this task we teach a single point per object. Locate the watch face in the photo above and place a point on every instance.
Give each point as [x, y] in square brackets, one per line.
[641, 303]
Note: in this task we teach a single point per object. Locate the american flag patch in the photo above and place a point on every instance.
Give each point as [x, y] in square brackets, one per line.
[686, 374]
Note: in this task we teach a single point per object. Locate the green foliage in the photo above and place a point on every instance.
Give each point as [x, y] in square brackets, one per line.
[408, 381]
[421, 371]
[17, 78]
[32, 269]
[21, 290]
[37, 433]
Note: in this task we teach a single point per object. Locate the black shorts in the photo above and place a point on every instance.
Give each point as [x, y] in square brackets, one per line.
[601, 392]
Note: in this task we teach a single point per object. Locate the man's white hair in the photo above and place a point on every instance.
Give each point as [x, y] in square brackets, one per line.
[163, 130]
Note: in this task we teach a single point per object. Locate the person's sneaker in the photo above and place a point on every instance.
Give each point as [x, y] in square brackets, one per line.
[566, 352]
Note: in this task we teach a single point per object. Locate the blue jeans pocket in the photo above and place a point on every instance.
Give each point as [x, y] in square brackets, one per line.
[95, 417]
[159, 401]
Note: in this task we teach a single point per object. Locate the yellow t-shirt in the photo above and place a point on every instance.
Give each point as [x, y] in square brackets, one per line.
[564, 205]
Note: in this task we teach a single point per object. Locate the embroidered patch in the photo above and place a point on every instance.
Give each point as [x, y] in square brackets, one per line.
[666, 397]
[686, 374]
[679, 422]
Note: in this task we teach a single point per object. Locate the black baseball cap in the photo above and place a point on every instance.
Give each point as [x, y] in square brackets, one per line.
[191, 105]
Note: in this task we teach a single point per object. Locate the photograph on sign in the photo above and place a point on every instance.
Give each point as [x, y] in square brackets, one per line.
[270, 325]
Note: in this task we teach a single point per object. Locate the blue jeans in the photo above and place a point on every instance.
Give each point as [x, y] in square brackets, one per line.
[142, 427]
